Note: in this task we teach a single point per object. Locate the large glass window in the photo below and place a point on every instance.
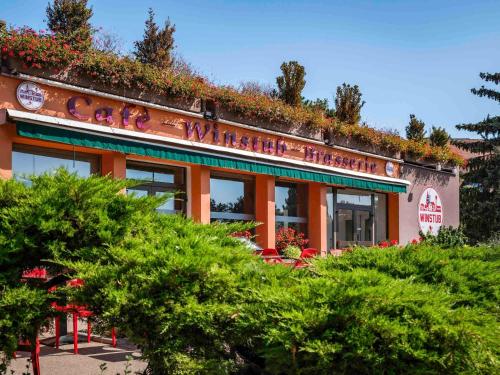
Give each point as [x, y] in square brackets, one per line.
[231, 198]
[356, 217]
[291, 206]
[158, 180]
[30, 160]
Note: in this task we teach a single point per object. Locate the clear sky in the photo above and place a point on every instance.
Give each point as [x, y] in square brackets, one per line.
[407, 57]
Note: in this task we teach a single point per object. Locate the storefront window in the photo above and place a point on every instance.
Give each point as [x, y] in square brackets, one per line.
[231, 199]
[291, 206]
[29, 160]
[157, 181]
[355, 217]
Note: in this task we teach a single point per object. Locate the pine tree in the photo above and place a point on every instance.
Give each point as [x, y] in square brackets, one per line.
[157, 44]
[415, 129]
[480, 190]
[320, 105]
[348, 104]
[291, 83]
[70, 19]
[439, 137]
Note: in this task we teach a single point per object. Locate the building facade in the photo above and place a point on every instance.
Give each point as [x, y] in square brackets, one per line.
[222, 170]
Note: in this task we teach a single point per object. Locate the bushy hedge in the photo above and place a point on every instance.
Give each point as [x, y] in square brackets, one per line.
[196, 301]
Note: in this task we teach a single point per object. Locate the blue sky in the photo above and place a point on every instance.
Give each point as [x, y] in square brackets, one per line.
[407, 57]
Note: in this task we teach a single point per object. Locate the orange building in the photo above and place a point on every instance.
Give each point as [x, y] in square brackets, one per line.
[223, 169]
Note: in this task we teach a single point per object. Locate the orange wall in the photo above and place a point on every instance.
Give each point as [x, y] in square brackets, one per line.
[200, 194]
[265, 210]
[393, 216]
[164, 123]
[317, 224]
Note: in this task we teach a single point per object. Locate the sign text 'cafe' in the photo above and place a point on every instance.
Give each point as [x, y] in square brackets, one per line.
[210, 131]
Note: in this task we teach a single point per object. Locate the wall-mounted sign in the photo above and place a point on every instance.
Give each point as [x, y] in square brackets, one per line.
[389, 168]
[430, 212]
[30, 96]
[216, 134]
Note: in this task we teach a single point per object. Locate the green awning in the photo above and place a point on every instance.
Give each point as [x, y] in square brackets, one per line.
[76, 138]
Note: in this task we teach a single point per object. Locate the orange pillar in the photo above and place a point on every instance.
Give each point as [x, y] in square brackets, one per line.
[393, 216]
[6, 134]
[265, 211]
[317, 225]
[114, 164]
[200, 194]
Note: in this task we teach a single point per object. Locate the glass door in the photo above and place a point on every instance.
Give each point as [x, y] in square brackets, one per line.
[354, 227]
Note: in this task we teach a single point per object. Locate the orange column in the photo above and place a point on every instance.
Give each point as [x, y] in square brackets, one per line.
[265, 211]
[114, 164]
[317, 225]
[200, 194]
[6, 134]
[393, 216]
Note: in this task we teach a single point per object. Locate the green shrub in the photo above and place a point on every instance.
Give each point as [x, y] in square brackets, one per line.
[195, 300]
[292, 252]
[446, 237]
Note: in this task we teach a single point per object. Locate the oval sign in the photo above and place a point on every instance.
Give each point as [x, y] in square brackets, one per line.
[430, 212]
[389, 168]
[30, 96]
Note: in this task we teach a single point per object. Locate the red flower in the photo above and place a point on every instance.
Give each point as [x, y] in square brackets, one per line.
[394, 242]
[414, 241]
[22, 53]
[383, 244]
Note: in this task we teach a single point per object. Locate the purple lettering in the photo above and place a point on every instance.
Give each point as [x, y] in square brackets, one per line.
[230, 138]
[141, 120]
[244, 142]
[104, 114]
[72, 107]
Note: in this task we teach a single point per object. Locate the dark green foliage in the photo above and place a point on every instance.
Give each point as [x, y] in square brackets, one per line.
[70, 18]
[447, 237]
[320, 105]
[439, 137]
[196, 301]
[291, 83]
[415, 130]
[348, 104]
[480, 190]
[157, 44]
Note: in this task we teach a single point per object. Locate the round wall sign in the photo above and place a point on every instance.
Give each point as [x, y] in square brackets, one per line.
[30, 96]
[389, 168]
[430, 212]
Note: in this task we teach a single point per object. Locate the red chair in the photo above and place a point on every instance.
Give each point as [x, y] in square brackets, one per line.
[77, 311]
[25, 346]
[271, 256]
[309, 253]
[305, 254]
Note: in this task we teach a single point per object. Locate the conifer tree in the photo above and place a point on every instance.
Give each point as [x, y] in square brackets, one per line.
[70, 19]
[415, 129]
[157, 44]
[291, 83]
[480, 190]
[348, 104]
[439, 137]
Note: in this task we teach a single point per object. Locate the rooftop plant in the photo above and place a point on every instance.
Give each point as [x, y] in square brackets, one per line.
[45, 50]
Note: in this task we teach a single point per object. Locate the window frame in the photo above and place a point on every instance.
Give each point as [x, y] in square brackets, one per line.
[233, 216]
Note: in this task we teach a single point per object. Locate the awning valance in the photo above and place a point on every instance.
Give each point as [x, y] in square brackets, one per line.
[76, 138]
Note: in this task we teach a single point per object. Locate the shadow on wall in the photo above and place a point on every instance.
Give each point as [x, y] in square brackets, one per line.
[422, 177]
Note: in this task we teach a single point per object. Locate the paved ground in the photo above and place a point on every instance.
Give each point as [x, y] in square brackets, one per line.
[62, 361]
[91, 356]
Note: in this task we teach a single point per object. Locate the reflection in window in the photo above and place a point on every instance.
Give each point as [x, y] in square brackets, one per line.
[353, 216]
[29, 160]
[159, 180]
[231, 199]
[291, 206]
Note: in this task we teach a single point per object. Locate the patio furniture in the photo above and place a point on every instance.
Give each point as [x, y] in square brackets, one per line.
[305, 254]
[78, 311]
[25, 346]
[271, 256]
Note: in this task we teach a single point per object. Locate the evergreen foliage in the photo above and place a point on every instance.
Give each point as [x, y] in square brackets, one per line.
[439, 137]
[320, 105]
[291, 83]
[196, 301]
[71, 20]
[480, 189]
[348, 104]
[157, 44]
[415, 130]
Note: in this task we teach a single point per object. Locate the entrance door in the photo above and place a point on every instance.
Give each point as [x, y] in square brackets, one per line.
[354, 227]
